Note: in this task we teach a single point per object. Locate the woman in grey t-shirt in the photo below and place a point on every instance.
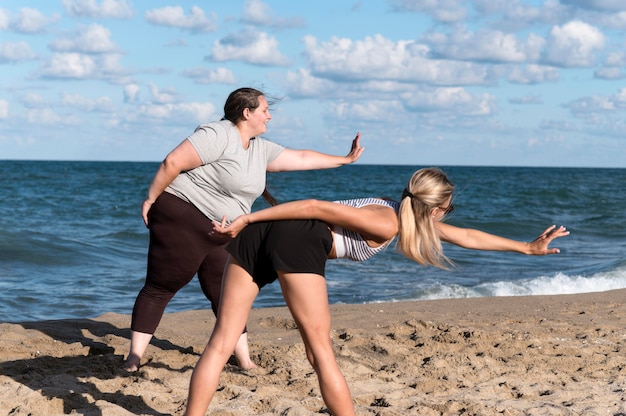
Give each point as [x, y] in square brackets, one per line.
[217, 171]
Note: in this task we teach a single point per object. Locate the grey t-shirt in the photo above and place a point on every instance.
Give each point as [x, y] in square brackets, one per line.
[231, 177]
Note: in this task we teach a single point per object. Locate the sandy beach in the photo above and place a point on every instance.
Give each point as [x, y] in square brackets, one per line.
[539, 355]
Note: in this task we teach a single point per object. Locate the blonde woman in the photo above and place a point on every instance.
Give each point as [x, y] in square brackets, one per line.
[290, 243]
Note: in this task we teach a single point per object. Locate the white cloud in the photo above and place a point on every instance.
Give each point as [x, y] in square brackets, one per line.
[4, 19]
[4, 109]
[47, 116]
[516, 14]
[373, 110]
[258, 13]
[69, 65]
[620, 98]
[211, 76]
[249, 46]
[131, 93]
[119, 9]
[198, 112]
[594, 106]
[165, 96]
[614, 66]
[610, 73]
[302, 84]
[533, 74]
[456, 100]
[33, 100]
[448, 11]
[101, 104]
[612, 20]
[601, 5]
[174, 16]
[31, 20]
[379, 58]
[15, 52]
[526, 99]
[81, 66]
[486, 45]
[574, 44]
[89, 39]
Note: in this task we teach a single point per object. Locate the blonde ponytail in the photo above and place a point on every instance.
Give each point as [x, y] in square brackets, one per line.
[417, 237]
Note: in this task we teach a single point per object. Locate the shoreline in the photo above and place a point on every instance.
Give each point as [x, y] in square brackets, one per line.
[522, 355]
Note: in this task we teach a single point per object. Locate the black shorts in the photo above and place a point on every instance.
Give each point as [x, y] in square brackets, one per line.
[294, 246]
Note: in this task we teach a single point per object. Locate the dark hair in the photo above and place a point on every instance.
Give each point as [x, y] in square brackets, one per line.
[239, 100]
[269, 198]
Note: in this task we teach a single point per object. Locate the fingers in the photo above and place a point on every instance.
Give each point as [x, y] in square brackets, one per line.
[220, 224]
[548, 231]
[558, 232]
[553, 232]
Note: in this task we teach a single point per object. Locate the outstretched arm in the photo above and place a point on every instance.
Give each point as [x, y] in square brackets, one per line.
[480, 240]
[375, 222]
[291, 159]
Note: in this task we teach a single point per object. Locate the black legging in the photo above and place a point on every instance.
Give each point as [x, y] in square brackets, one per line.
[180, 247]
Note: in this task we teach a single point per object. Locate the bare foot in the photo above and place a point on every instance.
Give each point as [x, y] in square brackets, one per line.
[131, 364]
[247, 364]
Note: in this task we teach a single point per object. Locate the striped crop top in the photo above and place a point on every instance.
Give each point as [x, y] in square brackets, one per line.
[350, 244]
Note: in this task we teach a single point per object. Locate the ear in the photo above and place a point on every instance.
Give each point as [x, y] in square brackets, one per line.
[246, 113]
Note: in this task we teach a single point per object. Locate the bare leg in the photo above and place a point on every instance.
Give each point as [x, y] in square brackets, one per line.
[238, 294]
[307, 299]
[242, 353]
[138, 343]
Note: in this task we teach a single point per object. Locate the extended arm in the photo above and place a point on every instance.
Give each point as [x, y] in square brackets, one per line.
[375, 222]
[183, 157]
[291, 159]
[480, 240]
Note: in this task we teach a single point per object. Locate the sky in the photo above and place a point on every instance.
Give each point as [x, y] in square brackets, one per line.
[425, 82]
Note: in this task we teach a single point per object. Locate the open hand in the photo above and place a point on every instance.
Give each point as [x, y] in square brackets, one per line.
[145, 207]
[356, 150]
[231, 230]
[539, 246]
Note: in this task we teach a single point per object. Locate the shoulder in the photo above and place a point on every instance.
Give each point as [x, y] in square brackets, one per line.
[272, 149]
[369, 202]
[222, 127]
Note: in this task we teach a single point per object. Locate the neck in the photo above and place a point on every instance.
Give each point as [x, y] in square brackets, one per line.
[245, 136]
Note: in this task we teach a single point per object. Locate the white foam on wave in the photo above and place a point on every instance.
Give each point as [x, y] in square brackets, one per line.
[559, 284]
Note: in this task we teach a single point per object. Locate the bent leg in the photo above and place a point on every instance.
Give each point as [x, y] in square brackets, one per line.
[179, 241]
[210, 277]
[242, 352]
[307, 299]
[238, 294]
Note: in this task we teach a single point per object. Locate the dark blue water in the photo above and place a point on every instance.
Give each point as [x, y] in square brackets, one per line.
[73, 245]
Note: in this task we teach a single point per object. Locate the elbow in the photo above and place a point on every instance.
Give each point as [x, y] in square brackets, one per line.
[310, 208]
[388, 229]
[392, 232]
[170, 165]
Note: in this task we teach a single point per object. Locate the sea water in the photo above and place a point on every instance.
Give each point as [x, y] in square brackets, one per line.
[73, 244]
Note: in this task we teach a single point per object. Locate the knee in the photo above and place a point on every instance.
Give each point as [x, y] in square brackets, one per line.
[321, 356]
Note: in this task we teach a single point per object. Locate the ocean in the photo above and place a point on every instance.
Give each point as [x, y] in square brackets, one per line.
[73, 244]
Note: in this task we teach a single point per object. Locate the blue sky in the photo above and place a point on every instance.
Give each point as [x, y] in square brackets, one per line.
[446, 82]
